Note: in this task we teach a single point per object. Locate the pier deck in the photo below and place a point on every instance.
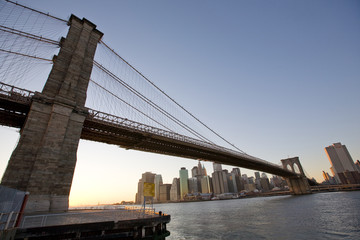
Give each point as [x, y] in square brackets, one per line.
[93, 224]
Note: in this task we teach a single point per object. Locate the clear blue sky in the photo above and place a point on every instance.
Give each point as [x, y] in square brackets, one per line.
[276, 78]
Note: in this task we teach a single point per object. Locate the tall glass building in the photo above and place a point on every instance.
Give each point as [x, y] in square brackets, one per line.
[184, 185]
[158, 182]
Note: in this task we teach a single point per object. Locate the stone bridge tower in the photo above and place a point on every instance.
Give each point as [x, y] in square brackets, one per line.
[43, 162]
[298, 185]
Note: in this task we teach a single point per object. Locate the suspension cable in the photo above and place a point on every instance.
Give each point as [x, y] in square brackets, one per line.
[25, 55]
[154, 105]
[34, 10]
[198, 120]
[27, 35]
[122, 100]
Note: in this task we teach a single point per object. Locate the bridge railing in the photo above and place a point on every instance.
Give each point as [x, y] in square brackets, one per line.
[15, 93]
[8, 220]
[87, 215]
[24, 96]
[124, 122]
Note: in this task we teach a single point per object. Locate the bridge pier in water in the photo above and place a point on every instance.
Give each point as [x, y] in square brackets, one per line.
[298, 185]
[44, 160]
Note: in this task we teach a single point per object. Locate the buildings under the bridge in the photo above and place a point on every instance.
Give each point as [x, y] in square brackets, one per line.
[221, 184]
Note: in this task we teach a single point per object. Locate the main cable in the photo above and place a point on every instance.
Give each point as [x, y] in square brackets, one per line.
[183, 108]
[37, 11]
[151, 103]
[27, 35]
[26, 55]
[122, 100]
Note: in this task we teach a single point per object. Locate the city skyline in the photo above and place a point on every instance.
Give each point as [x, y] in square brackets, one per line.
[220, 184]
[285, 82]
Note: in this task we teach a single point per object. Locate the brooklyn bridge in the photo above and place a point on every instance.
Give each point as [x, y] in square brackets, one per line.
[129, 110]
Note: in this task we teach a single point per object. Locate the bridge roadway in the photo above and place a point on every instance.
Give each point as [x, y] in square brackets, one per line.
[101, 127]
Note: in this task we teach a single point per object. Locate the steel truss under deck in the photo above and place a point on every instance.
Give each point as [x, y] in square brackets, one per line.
[102, 127]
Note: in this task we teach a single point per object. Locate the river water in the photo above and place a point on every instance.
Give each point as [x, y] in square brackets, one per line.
[333, 215]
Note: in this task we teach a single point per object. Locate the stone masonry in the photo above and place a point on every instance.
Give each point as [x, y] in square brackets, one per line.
[44, 160]
[298, 185]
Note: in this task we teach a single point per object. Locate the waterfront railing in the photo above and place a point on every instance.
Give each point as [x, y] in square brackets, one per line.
[8, 220]
[88, 215]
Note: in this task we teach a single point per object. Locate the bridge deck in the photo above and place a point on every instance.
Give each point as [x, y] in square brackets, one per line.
[101, 127]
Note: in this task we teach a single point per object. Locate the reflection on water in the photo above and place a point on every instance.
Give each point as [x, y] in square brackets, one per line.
[315, 216]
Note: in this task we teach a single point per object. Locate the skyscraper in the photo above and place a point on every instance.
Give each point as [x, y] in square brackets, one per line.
[165, 192]
[265, 183]
[245, 178]
[257, 180]
[139, 196]
[194, 172]
[278, 182]
[237, 175]
[193, 185]
[203, 171]
[158, 181]
[342, 164]
[216, 181]
[326, 176]
[147, 177]
[232, 183]
[217, 167]
[220, 182]
[329, 179]
[200, 169]
[184, 186]
[175, 190]
[205, 184]
[236, 171]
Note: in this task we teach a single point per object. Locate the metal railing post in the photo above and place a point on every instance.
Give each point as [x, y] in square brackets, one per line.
[8, 220]
[43, 220]
[23, 222]
[15, 220]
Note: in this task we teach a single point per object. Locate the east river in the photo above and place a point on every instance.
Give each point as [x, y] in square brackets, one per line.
[334, 215]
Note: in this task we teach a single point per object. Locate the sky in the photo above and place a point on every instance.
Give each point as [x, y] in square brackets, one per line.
[278, 79]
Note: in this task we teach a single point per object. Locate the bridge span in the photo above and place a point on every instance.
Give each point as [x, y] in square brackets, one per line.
[102, 127]
[52, 123]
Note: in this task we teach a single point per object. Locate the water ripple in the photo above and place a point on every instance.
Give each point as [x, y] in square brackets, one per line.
[315, 216]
